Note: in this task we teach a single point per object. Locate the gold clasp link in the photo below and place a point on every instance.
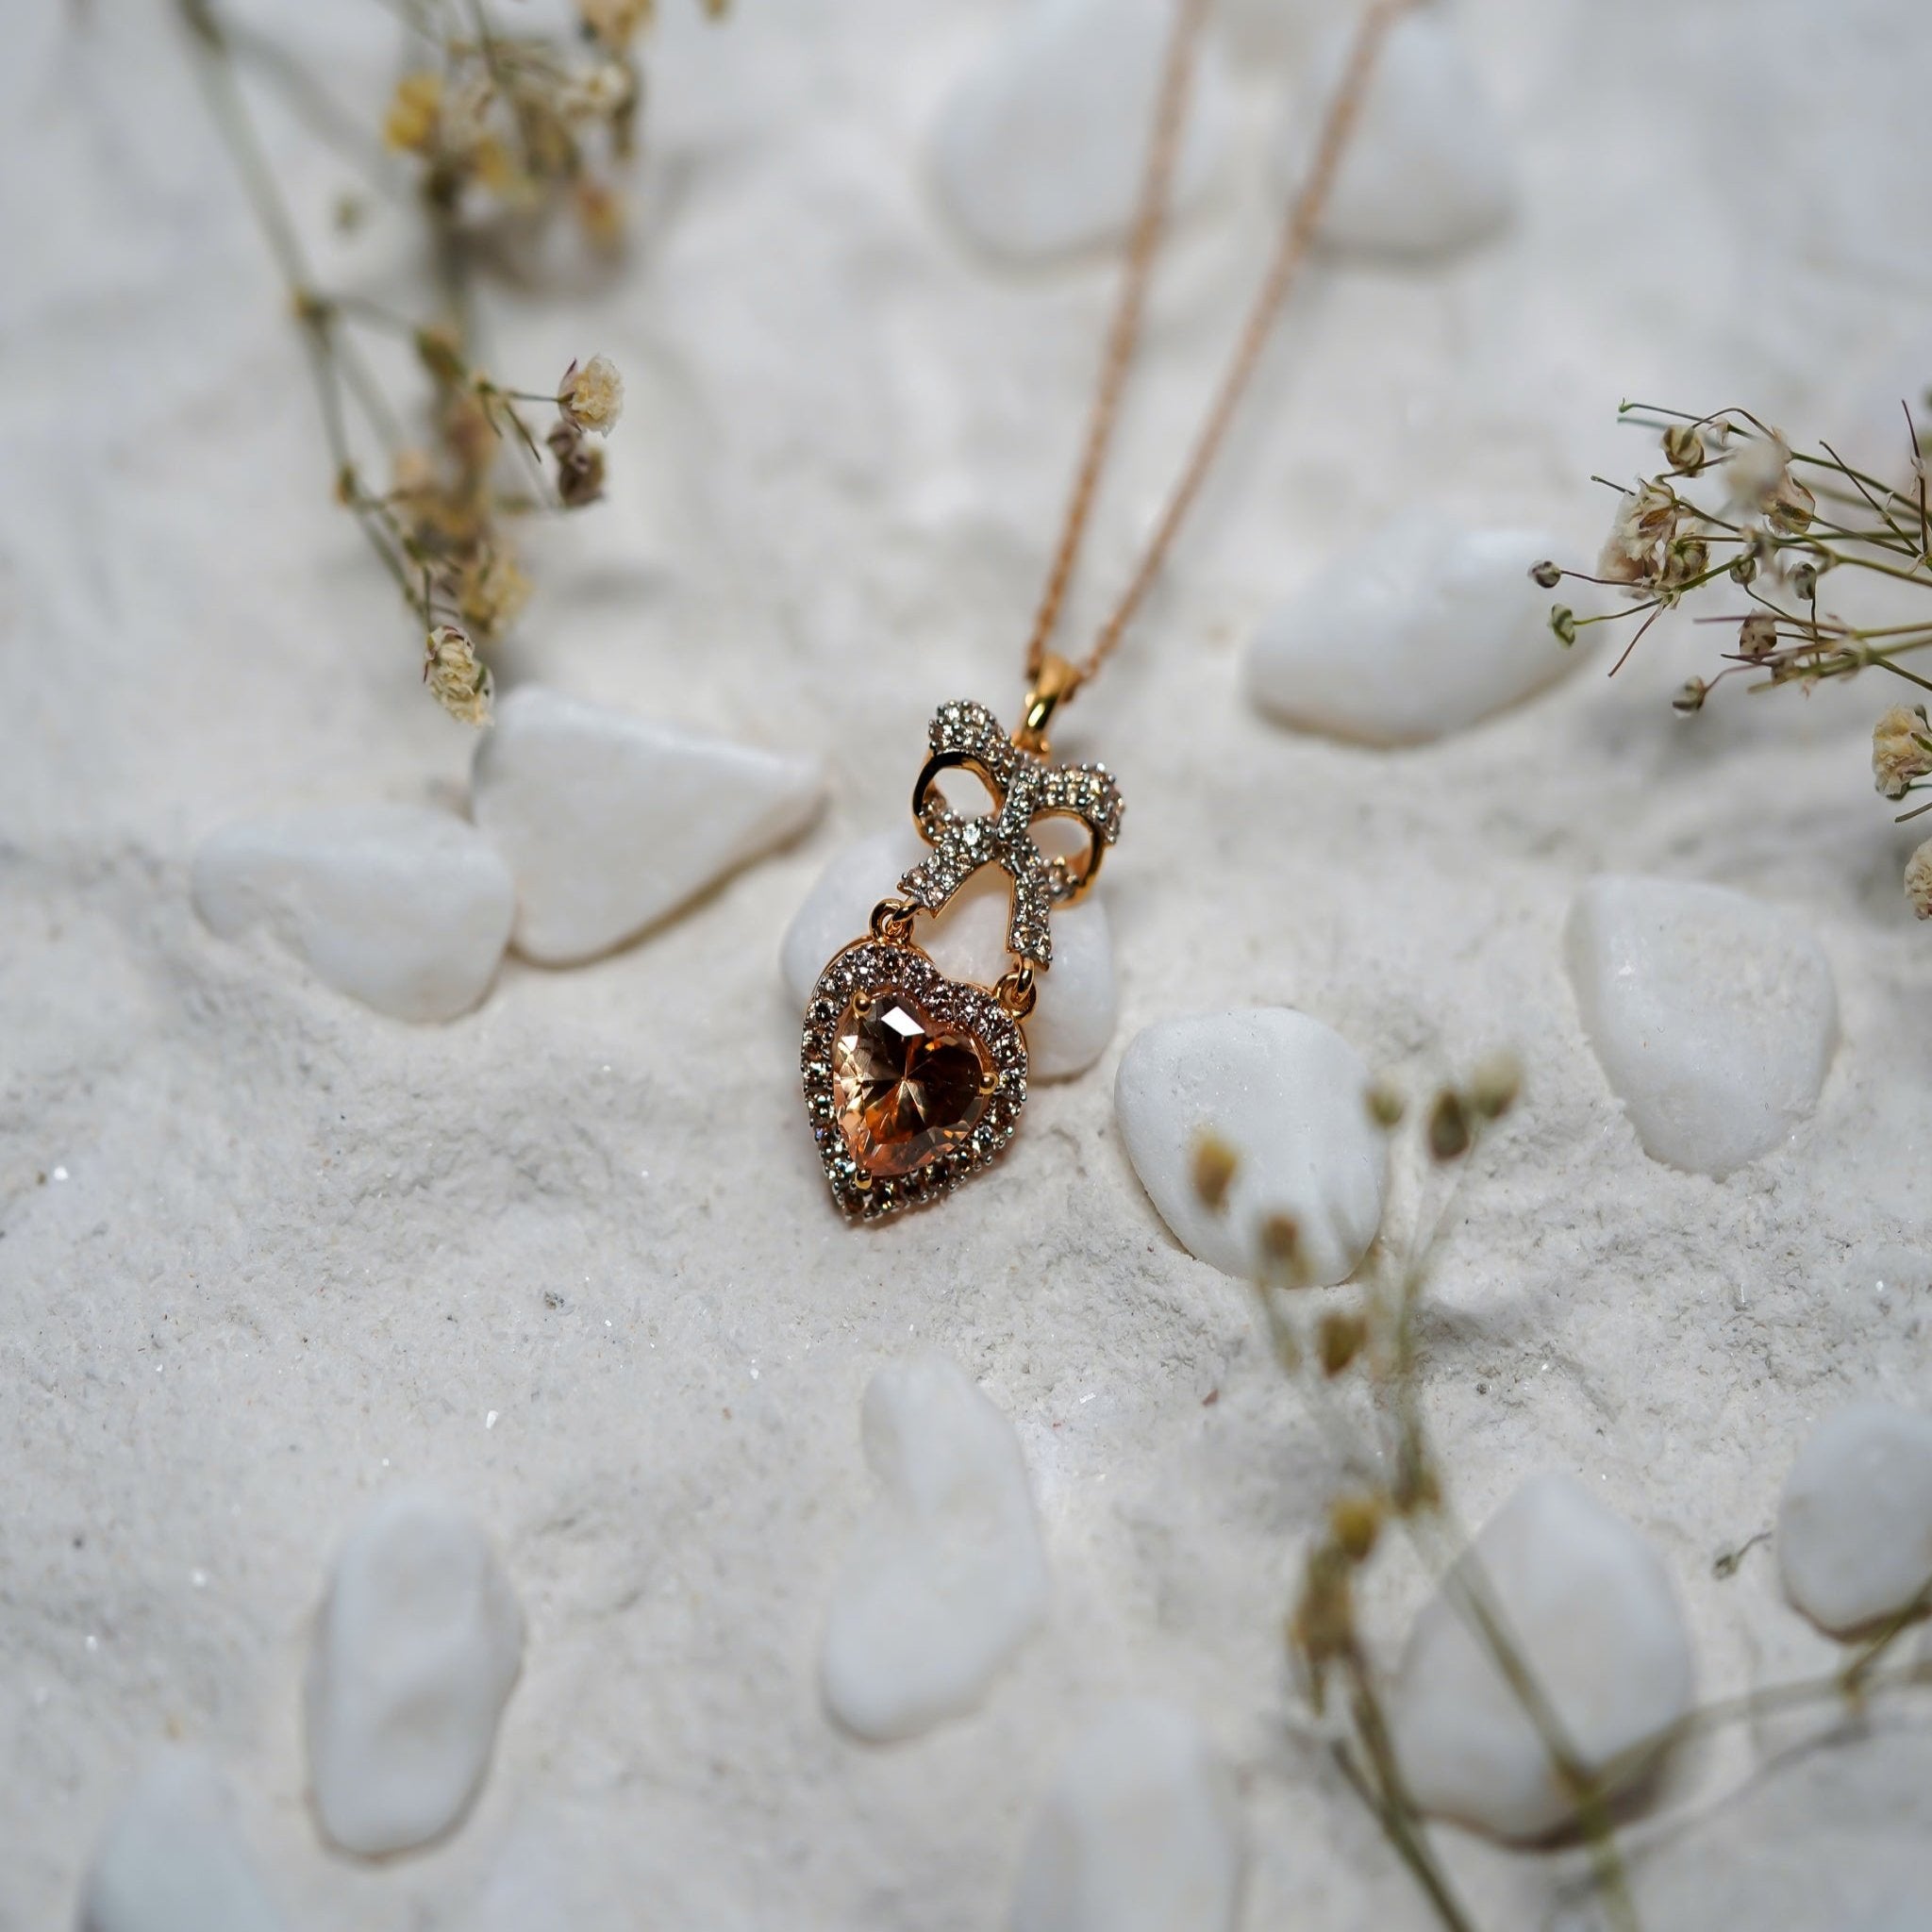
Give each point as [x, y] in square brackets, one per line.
[1056, 682]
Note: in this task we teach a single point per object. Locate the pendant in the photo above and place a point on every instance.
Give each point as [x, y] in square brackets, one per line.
[914, 1081]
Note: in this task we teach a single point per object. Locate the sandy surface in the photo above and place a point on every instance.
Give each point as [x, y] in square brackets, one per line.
[265, 1253]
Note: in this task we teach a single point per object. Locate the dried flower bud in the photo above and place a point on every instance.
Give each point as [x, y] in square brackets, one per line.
[592, 397]
[1744, 566]
[1691, 696]
[1450, 1131]
[1791, 508]
[1901, 750]
[1547, 574]
[1805, 581]
[1687, 559]
[1757, 636]
[1340, 1339]
[1918, 880]
[580, 467]
[1684, 448]
[1212, 1171]
[1493, 1085]
[1385, 1104]
[456, 680]
[1563, 622]
[1281, 1250]
[1355, 1522]
[414, 110]
[490, 591]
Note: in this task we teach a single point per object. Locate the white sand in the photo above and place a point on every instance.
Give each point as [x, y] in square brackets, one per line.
[265, 1252]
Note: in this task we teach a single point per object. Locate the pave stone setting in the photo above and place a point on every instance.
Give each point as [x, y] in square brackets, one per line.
[912, 1082]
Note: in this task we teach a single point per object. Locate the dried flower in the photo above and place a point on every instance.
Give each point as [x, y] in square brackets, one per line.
[1355, 1522]
[592, 397]
[1548, 574]
[1385, 1104]
[614, 23]
[580, 467]
[459, 682]
[1918, 880]
[1494, 1085]
[1691, 696]
[1901, 750]
[490, 591]
[1450, 1132]
[414, 111]
[1212, 1171]
[1641, 530]
[1563, 622]
[1340, 1339]
[1757, 636]
[1756, 471]
[1684, 448]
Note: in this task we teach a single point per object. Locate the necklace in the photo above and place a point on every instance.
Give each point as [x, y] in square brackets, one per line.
[914, 1081]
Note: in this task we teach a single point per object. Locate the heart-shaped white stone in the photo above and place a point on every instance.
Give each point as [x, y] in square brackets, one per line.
[1593, 1618]
[946, 1577]
[1069, 1026]
[416, 1646]
[611, 821]
[171, 1860]
[1289, 1097]
[1429, 170]
[1855, 1521]
[405, 909]
[1425, 628]
[1040, 148]
[1140, 1832]
[1714, 1015]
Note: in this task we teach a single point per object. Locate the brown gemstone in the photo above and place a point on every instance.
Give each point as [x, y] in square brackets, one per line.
[907, 1089]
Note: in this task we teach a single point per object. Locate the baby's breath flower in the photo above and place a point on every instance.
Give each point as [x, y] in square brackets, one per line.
[1691, 696]
[1918, 880]
[414, 110]
[457, 681]
[490, 591]
[1548, 574]
[1901, 750]
[592, 397]
[614, 23]
[1684, 448]
[1645, 522]
[1757, 636]
[579, 466]
[1757, 470]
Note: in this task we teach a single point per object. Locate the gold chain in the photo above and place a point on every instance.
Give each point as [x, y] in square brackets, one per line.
[1123, 333]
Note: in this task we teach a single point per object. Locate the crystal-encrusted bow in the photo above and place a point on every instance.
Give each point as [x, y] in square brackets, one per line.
[1025, 789]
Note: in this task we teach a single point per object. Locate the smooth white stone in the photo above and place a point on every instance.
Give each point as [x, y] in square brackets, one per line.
[609, 821]
[1141, 1832]
[1714, 1015]
[946, 1577]
[416, 1646]
[1290, 1095]
[1040, 148]
[1854, 1522]
[172, 1861]
[1066, 1032]
[1428, 627]
[405, 909]
[1592, 1616]
[1429, 169]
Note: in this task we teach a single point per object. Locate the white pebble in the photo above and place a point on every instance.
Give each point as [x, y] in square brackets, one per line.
[947, 1577]
[1714, 1015]
[1066, 1032]
[405, 909]
[416, 1646]
[609, 822]
[1428, 627]
[171, 1860]
[1040, 148]
[1854, 1522]
[1429, 170]
[1289, 1097]
[1592, 1616]
[1141, 1832]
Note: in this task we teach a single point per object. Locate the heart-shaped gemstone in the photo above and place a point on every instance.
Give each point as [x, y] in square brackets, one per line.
[913, 1080]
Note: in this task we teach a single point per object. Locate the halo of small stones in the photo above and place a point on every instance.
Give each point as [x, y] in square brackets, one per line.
[873, 967]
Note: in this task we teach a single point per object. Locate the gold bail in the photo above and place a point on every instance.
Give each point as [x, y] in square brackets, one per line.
[1056, 683]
